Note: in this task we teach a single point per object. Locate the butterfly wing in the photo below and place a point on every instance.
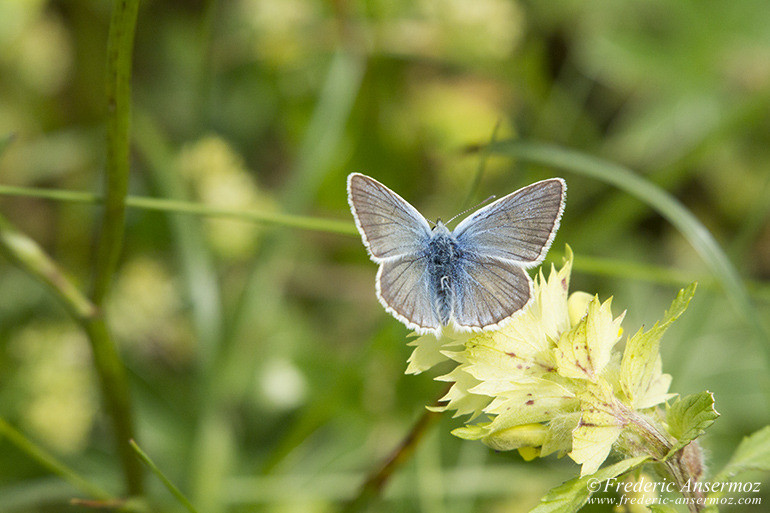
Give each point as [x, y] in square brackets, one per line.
[389, 226]
[518, 227]
[396, 236]
[403, 288]
[488, 291]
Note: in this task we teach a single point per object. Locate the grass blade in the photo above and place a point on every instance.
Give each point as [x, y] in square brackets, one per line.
[169, 485]
[192, 208]
[50, 462]
[661, 201]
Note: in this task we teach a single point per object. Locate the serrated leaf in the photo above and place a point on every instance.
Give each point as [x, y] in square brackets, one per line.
[640, 374]
[593, 438]
[689, 417]
[753, 453]
[459, 398]
[429, 350]
[472, 431]
[573, 494]
[584, 351]
[536, 402]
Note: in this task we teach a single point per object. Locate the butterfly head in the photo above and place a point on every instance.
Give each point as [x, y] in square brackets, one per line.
[440, 228]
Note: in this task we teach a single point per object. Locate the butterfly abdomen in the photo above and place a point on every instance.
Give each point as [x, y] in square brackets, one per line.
[442, 254]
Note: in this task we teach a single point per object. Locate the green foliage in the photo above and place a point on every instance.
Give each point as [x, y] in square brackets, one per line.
[261, 372]
[573, 494]
[638, 373]
[753, 453]
[662, 508]
[179, 496]
[689, 417]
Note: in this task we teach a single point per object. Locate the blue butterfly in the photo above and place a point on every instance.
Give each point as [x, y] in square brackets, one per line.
[472, 276]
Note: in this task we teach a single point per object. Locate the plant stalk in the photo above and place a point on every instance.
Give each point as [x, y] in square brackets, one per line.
[684, 467]
[109, 367]
[375, 482]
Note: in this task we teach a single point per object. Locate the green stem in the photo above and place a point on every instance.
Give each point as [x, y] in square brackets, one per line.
[171, 487]
[106, 359]
[375, 482]
[656, 443]
[275, 218]
[119, 54]
[587, 264]
[187, 207]
[50, 462]
[27, 255]
[114, 385]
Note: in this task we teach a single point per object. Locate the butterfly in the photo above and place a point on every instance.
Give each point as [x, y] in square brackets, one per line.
[473, 276]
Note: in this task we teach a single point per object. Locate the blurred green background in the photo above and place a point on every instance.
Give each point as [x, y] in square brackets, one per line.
[265, 376]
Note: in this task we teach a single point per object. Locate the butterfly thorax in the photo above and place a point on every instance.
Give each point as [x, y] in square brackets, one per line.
[442, 254]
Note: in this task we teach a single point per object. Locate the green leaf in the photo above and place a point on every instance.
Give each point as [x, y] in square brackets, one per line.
[662, 508]
[171, 487]
[640, 373]
[689, 417]
[753, 453]
[573, 494]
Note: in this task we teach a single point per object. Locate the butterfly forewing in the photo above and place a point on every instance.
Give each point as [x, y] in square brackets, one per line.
[389, 226]
[489, 291]
[403, 287]
[518, 227]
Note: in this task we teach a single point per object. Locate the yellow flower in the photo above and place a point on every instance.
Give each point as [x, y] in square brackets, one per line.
[552, 380]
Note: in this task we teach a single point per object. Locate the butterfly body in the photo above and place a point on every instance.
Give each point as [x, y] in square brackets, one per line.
[443, 256]
[473, 276]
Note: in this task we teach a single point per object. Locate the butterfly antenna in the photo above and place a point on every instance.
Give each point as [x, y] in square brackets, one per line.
[472, 208]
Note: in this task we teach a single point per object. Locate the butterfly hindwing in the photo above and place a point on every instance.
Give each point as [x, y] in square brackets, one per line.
[489, 291]
[403, 287]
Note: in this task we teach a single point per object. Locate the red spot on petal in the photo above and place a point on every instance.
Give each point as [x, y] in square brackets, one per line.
[530, 402]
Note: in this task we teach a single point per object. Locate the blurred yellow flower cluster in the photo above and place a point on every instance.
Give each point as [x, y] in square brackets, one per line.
[147, 313]
[220, 178]
[56, 384]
